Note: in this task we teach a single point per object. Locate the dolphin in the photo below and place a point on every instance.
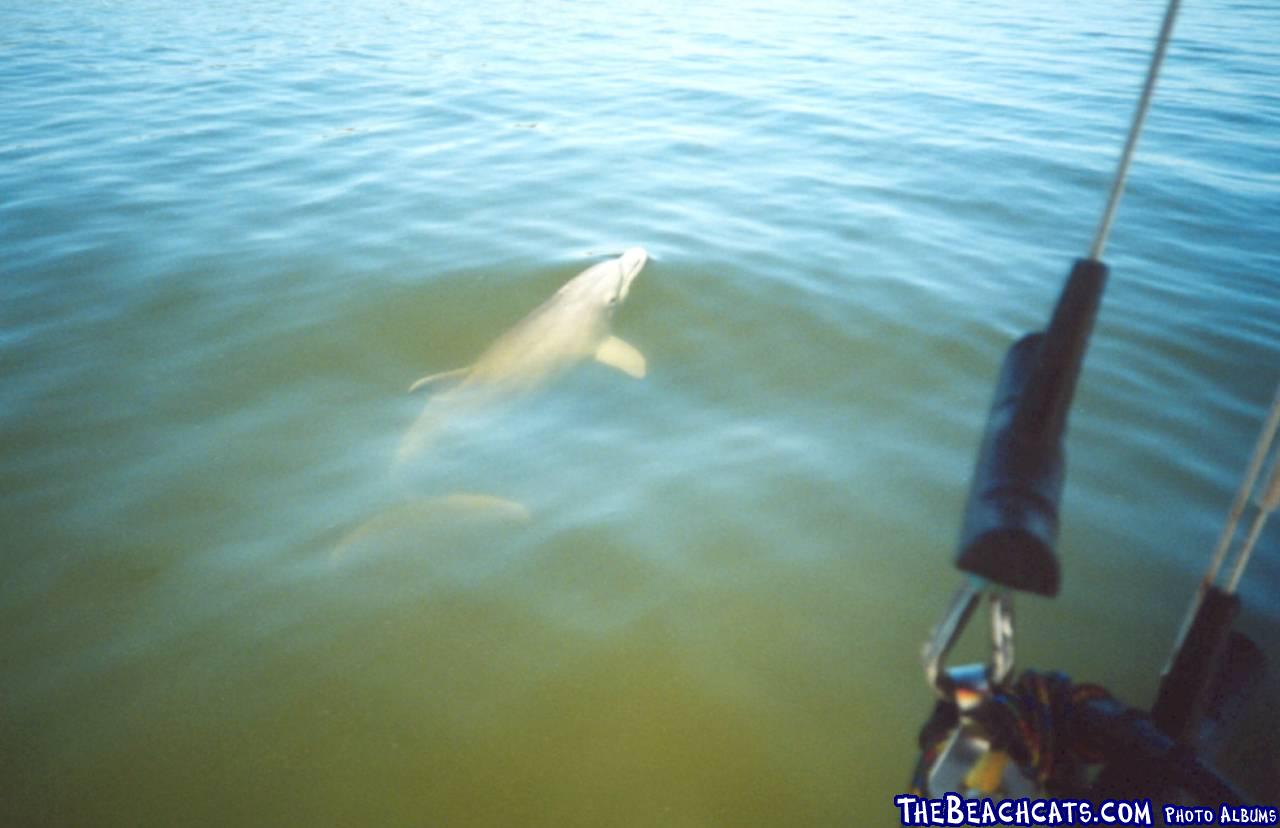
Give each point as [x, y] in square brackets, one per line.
[571, 326]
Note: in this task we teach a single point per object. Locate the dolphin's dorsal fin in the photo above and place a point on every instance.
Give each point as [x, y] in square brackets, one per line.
[432, 378]
[618, 354]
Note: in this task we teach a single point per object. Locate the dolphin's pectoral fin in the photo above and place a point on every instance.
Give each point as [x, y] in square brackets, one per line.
[618, 354]
[432, 378]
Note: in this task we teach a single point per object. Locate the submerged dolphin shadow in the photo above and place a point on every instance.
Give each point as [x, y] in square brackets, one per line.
[407, 523]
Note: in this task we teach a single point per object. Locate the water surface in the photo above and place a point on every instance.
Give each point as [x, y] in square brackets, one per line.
[232, 236]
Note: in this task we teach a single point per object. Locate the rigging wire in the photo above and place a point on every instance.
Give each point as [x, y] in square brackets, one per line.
[1135, 130]
[1260, 452]
[1267, 499]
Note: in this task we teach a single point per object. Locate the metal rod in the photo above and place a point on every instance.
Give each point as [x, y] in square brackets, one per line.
[1135, 129]
[1233, 580]
[1260, 450]
[1268, 501]
[1219, 556]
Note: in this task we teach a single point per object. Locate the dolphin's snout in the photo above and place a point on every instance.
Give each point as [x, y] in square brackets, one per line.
[632, 261]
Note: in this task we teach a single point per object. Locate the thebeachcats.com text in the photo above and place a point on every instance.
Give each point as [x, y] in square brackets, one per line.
[954, 810]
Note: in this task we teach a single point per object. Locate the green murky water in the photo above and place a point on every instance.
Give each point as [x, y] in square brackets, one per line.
[231, 236]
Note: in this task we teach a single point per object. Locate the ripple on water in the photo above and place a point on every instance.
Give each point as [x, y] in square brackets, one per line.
[234, 234]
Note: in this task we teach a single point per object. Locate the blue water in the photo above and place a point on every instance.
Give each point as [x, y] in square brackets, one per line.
[233, 234]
